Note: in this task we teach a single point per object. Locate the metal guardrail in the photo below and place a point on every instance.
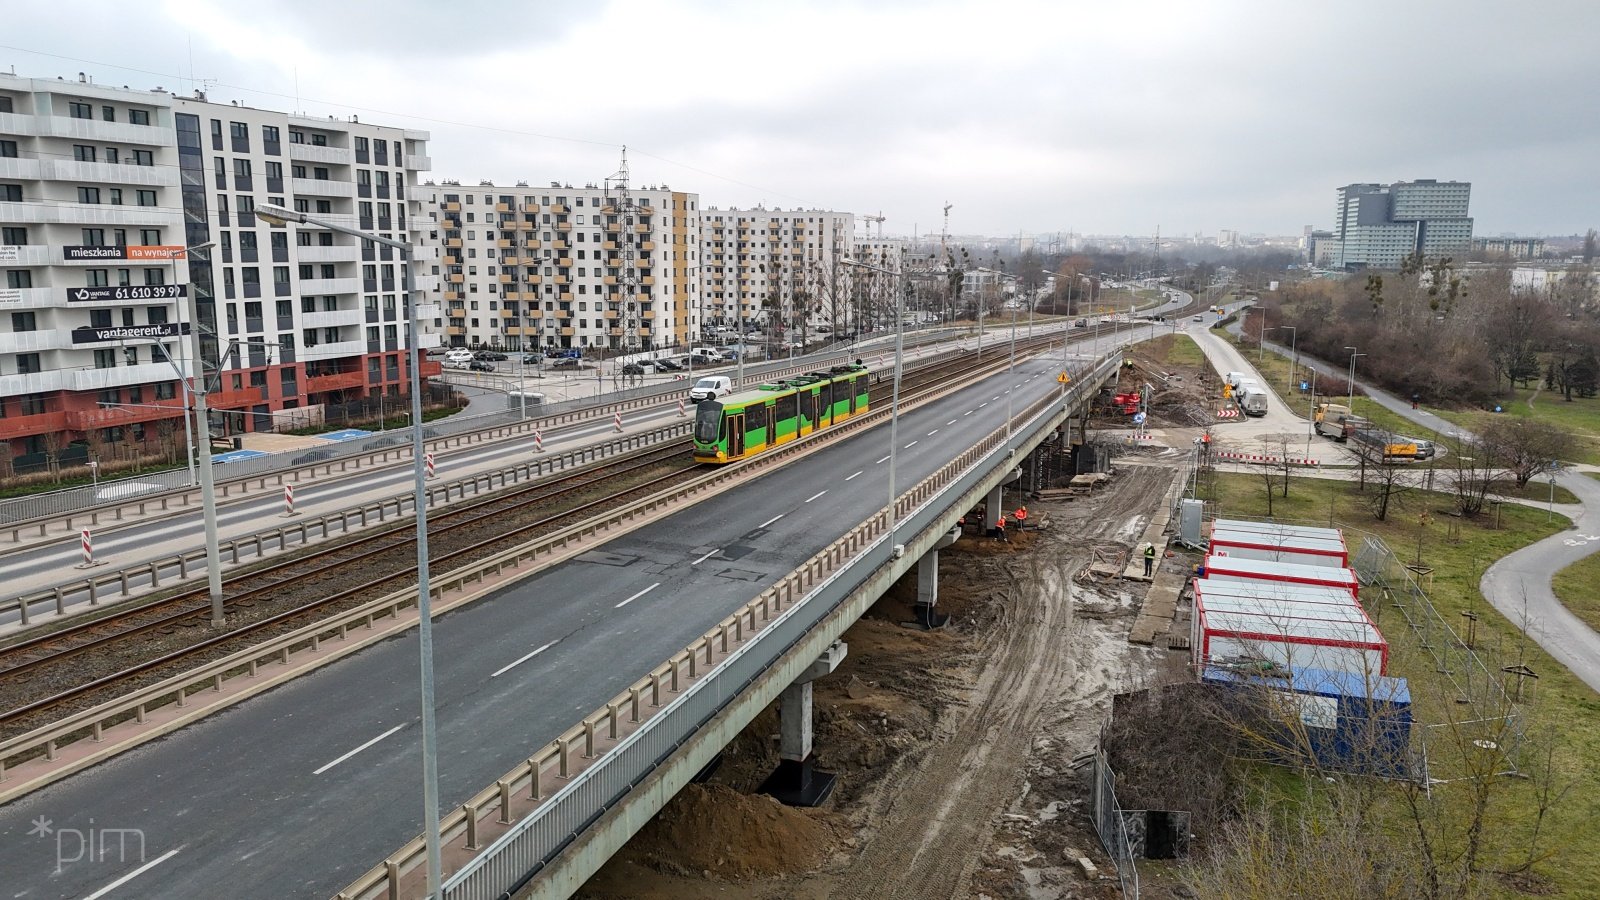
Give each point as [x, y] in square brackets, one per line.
[123, 582]
[642, 732]
[94, 724]
[83, 506]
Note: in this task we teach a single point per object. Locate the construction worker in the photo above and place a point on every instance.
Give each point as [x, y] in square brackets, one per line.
[1021, 515]
[1149, 559]
[1000, 529]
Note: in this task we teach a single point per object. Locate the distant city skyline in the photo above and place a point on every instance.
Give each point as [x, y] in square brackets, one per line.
[1035, 118]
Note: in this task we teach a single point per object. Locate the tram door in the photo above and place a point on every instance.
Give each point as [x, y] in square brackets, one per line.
[736, 436]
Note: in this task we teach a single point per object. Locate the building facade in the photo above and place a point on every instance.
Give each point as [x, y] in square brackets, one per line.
[776, 268]
[129, 219]
[564, 267]
[1378, 226]
[1510, 247]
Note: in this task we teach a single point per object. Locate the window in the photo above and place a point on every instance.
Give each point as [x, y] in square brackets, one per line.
[94, 237]
[274, 169]
[150, 237]
[88, 195]
[297, 170]
[147, 198]
[247, 240]
[8, 149]
[250, 275]
[139, 116]
[24, 321]
[165, 390]
[97, 277]
[27, 364]
[19, 278]
[83, 152]
[155, 276]
[238, 130]
[114, 196]
[111, 155]
[269, 133]
[109, 113]
[319, 140]
[144, 158]
[241, 168]
[105, 359]
[131, 355]
[361, 145]
[13, 234]
[324, 206]
[80, 110]
[297, 137]
[156, 315]
[11, 192]
[280, 274]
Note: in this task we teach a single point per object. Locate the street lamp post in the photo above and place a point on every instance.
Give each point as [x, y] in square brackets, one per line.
[208, 490]
[894, 402]
[1351, 399]
[273, 214]
[1294, 353]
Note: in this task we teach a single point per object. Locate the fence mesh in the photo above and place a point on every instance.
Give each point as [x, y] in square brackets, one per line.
[1112, 827]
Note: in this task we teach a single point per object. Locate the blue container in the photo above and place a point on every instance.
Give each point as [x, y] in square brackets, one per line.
[1345, 721]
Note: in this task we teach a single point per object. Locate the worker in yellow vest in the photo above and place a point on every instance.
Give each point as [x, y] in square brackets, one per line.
[1149, 559]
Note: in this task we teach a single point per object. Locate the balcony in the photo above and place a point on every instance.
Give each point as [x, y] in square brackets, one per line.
[641, 229]
[566, 332]
[425, 283]
[647, 245]
[559, 244]
[338, 156]
[111, 416]
[103, 215]
[609, 314]
[455, 329]
[111, 173]
[507, 261]
[647, 280]
[336, 253]
[644, 263]
[32, 298]
[505, 243]
[100, 379]
[532, 244]
[563, 226]
[340, 381]
[97, 130]
[34, 341]
[455, 278]
[330, 286]
[514, 296]
[451, 260]
[12, 427]
[560, 279]
[532, 279]
[322, 187]
[508, 279]
[502, 207]
[332, 318]
[609, 279]
[564, 261]
[564, 296]
[513, 329]
[453, 243]
[452, 207]
[610, 245]
[558, 209]
[333, 350]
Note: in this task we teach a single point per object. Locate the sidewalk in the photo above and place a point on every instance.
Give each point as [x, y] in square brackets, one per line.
[1518, 584]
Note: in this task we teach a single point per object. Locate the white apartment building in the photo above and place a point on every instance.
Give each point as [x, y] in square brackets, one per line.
[565, 267]
[760, 266]
[101, 191]
[1378, 226]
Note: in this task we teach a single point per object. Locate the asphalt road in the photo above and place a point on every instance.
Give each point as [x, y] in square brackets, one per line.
[297, 791]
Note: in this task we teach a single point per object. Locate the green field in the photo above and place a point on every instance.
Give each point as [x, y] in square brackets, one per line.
[1578, 587]
[1581, 417]
[1562, 710]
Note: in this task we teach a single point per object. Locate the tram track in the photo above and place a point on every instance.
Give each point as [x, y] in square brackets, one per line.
[47, 676]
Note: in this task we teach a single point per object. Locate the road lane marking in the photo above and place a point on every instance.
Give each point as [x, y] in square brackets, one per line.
[982, 405]
[771, 520]
[969, 412]
[524, 659]
[910, 445]
[134, 874]
[706, 557]
[815, 496]
[637, 596]
[880, 462]
[358, 750]
[852, 476]
[951, 422]
[995, 397]
[933, 432]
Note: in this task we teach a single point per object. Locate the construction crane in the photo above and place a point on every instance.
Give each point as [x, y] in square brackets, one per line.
[877, 218]
[619, 204]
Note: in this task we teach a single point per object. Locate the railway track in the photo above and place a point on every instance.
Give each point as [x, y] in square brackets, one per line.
[50, 675]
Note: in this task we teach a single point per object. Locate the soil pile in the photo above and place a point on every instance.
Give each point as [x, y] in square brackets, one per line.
[717, 831]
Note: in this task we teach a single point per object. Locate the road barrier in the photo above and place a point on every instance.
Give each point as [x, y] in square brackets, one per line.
[538, 442]
[88, 550]
[427, 460]
[616, 422]
[1272, 460]
[288, 501]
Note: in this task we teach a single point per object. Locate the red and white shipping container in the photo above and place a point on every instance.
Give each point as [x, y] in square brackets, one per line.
[1346, 643]
[1242, 568]
[1279, 543]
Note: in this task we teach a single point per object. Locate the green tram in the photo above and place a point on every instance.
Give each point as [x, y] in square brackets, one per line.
[741, 425]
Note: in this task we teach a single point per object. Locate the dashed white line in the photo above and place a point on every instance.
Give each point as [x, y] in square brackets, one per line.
[706, 557]
[134, 874]
[881, 461]
[815, 496]
[951, 422]
[969, 412]
[982, 405]
[637, 596]
[506, 668]
[910, 445]
[358, 750]
[771, 520]
[933, 432]
[996, 397]
[852, 476]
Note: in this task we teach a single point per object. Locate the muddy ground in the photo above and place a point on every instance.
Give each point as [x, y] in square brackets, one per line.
[955, 749]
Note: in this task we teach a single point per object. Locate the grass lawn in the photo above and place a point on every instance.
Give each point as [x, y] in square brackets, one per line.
[1578, 587]
[1562, 709]
[1175, 350]
[1581, 417]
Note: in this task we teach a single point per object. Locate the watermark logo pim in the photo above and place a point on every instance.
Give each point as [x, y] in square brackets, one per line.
[74, 845]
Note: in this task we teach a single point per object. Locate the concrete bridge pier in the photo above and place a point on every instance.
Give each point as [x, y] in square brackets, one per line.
[927, 617]
[796, 782]
[995, 504]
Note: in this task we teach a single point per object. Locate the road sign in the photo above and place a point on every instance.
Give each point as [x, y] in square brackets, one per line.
[1063, 378]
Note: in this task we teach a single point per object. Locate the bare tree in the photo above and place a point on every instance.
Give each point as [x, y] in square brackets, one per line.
[1526, 447]
[1391, 477]
[1476, 472]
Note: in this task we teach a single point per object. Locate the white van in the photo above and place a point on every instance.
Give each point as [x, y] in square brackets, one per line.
[706, 355]
[710, 388]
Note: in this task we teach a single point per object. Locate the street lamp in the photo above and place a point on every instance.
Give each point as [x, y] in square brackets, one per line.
[276, 215]
[894, 403]
[1351, 400]
[1294, 353]
[202, 425]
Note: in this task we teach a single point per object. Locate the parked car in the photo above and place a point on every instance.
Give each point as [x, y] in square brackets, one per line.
[1425, 449]
[666, 365]
[317, 455]
[479, 365]
[633, 369]
[458, 354]
[489, 356]
[457, 363]
[532, 359]
[565, 362]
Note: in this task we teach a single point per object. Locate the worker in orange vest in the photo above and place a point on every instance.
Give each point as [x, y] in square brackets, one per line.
[1021, 515]
[1000, 528]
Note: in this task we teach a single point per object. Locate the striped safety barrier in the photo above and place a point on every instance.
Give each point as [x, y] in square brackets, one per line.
[88, 549]
[538, 442]
[288, 501]
[1229, 413]
[1255, 458]
[428, 460]
[616, 421]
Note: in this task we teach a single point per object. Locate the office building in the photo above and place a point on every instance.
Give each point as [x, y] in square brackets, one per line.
[1377, 226]
[101, 191]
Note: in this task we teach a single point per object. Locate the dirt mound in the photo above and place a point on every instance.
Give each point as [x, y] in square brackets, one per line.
[714, 829]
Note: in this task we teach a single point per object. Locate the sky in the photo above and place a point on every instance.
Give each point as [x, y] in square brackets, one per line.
[1034, 117]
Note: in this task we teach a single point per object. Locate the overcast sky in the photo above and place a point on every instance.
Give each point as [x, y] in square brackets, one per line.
[1106, 117]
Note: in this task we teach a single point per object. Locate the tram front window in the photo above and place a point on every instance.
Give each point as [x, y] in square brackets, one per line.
[707, 421]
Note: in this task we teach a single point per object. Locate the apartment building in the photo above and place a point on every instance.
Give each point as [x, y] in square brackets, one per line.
[563, 267]
[760, 265]
[102, 190]
[1378, 226]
